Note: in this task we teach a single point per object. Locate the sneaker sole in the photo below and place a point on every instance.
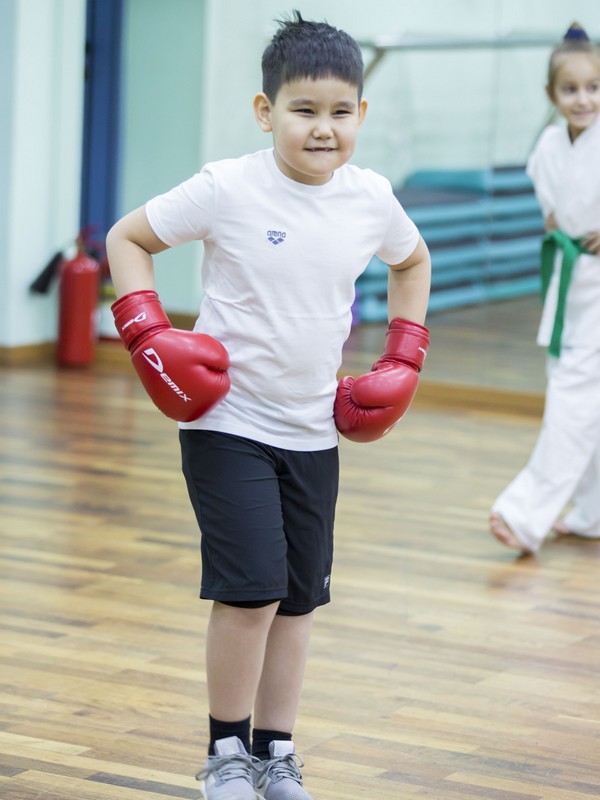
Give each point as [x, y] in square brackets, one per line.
[204, 795]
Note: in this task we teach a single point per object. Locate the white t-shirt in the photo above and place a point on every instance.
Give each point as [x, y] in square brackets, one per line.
[566, 178]
[280, 262]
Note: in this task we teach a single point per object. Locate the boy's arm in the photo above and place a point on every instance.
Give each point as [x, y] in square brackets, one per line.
[368, 407]
[408, 286]
[185, 373]
[130, 245]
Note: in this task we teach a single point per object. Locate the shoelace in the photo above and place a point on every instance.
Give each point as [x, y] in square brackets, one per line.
[287, 766]
[236, 765]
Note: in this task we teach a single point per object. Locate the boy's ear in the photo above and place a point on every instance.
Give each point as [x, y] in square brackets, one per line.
[550, 93]
[262, 112]
[362, 110]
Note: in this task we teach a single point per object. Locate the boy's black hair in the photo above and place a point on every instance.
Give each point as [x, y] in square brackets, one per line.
[306, 49]
[575, 40]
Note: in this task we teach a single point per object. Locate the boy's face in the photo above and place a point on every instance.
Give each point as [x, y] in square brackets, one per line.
[314, 125]
[575, 91]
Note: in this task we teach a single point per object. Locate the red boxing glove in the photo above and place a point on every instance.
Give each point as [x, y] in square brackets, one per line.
[184, 373]
[368, 407]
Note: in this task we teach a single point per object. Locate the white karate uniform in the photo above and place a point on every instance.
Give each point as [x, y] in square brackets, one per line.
[564, 466]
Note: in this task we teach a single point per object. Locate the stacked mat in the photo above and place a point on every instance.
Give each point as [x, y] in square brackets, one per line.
[484, 231]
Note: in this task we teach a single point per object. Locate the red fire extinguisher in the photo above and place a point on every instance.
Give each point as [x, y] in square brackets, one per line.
[78, 307]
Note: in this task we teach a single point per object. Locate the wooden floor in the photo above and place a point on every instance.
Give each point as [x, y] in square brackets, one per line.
[446, 668]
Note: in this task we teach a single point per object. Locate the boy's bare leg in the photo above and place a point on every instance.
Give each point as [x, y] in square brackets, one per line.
[283, 673]
[235, 651]
[504, 534]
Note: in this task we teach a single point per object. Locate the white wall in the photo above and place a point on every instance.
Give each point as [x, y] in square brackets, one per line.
[41, 61]
[7, 58]
[163, 120]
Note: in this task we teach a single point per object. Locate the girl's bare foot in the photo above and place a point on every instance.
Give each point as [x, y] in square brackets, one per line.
[503, 533]
[561, 529]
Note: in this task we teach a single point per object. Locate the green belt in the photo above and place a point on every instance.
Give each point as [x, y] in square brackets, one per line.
[571, 250]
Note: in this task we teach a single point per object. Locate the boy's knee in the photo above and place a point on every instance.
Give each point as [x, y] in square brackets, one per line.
[246, 616]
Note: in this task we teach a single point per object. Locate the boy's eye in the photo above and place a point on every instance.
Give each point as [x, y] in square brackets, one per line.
[304, 110]
[342, 112]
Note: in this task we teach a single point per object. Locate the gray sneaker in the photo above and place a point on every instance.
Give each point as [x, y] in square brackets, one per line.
[280, 777]
[230, 773]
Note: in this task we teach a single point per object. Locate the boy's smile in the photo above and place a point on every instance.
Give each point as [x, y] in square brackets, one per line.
[575, 91]
[314, 125]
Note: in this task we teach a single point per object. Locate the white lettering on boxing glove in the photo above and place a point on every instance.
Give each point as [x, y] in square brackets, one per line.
[140, 318]
[158, 366]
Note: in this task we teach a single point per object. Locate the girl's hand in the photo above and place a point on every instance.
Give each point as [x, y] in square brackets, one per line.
[550, 223]
[591, 242]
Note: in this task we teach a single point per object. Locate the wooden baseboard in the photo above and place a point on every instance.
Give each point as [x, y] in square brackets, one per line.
[27, 355]
[184, 322]
[108, 351]
[433, 394]
[110, 354]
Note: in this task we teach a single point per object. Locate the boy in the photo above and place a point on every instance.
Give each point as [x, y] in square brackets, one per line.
[286, 232]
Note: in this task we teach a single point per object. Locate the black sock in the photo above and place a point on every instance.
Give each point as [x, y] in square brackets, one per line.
[261, 739]
[222, 730]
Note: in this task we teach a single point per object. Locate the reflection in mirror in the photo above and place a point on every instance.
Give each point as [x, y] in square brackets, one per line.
[462, 180]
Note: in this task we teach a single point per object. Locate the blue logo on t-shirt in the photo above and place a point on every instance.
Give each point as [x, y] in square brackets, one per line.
[276, 237]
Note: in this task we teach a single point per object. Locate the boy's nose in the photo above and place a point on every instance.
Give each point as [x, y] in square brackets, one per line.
[322, 128]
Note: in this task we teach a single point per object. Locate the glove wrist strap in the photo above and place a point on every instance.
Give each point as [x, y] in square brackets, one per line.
[139, 314]
[406, 341]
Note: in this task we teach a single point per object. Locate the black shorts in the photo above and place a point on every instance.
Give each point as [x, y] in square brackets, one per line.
[266, 517]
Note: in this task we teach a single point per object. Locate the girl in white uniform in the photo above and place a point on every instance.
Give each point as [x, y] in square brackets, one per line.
[564, 467]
